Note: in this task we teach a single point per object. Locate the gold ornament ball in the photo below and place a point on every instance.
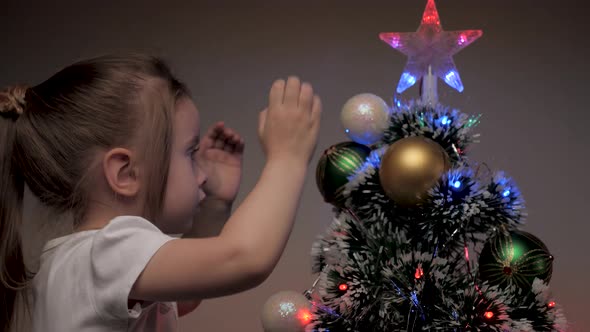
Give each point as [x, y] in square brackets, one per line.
[286, 311]
[410, 167]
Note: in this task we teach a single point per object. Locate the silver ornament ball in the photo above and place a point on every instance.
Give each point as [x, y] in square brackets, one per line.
[365, 118]
[286, 311]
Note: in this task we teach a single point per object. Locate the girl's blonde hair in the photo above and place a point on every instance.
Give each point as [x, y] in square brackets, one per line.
[49, 136]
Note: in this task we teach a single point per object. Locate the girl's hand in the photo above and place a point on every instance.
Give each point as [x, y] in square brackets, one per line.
[220, 157]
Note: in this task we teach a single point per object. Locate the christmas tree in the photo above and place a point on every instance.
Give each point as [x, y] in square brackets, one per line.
[423, 238]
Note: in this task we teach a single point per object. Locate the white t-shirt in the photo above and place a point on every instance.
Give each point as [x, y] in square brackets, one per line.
[84, 280]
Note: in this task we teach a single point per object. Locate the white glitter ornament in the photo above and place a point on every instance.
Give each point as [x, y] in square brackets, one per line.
[286, 311]
[365, 118]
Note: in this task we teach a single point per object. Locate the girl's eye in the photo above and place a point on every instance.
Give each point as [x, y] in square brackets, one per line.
[194, 152]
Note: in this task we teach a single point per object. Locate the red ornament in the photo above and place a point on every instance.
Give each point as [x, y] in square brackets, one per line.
[343, 287]
[489, 315]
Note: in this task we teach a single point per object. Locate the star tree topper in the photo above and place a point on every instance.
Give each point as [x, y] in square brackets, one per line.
[430, 51]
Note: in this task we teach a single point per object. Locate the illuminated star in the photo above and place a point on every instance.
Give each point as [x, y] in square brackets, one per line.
[430, 46]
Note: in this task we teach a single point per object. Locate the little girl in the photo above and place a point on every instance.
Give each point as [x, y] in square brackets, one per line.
[114, 142]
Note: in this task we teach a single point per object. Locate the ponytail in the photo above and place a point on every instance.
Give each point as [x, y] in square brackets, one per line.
[13, 272]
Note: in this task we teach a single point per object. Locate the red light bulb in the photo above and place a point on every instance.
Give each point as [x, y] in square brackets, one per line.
[462, 39]
[551, 304]
[489, 315]
[430, 16]
[343, 287]
[304, 316]
[419, 273]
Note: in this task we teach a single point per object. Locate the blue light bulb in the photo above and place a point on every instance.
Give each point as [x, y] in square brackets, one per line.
[457, 184]
[452, 78]
[506, 193]
[406, 81]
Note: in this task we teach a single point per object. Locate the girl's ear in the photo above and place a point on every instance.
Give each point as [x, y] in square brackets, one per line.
[121, 172]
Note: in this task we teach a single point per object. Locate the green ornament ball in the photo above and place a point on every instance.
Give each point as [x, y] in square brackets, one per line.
[336, 164]
[515, 259]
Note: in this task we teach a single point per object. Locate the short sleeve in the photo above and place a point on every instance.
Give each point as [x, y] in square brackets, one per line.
[119, 253]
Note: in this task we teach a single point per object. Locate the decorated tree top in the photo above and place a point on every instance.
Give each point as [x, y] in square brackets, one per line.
[430, 50]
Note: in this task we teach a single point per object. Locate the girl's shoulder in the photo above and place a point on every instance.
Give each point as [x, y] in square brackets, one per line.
[105, 262]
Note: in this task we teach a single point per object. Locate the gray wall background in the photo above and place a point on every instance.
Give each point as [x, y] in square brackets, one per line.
[527, 75]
